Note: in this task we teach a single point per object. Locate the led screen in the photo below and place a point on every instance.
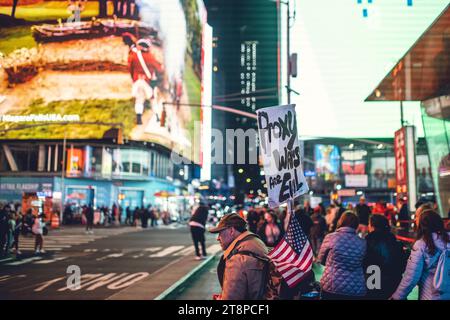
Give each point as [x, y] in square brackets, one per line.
[102, 65]
[327, 161]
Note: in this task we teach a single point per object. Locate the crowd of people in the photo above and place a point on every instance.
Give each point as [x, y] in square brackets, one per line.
[352, 243]
[13, 223]
[115, 215]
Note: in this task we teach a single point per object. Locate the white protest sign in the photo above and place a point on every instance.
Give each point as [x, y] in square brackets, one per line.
[280, 152]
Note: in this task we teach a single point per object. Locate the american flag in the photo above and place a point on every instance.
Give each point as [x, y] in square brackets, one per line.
[293, 256]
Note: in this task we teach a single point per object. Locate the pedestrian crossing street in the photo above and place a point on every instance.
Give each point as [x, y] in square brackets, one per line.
[104, 254]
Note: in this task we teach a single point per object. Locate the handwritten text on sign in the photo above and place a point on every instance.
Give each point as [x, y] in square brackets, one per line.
[280, 152]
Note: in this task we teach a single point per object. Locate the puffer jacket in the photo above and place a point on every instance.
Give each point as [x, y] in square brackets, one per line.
[240, 275]
[342, 253]
[420, 271]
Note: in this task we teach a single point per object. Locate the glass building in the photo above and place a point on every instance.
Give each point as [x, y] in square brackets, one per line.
[423, 74]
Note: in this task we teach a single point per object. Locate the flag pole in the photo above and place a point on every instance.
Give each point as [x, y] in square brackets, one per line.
[290, 212]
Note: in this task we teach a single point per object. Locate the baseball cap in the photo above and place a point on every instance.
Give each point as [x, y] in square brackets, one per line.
[228, 221]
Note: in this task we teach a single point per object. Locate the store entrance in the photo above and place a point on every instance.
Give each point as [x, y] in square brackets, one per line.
[131, 198]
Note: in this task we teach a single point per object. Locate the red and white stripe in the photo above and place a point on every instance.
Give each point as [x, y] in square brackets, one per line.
[291, 265]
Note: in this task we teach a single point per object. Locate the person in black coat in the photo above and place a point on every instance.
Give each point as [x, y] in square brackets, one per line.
[89, 218]
[318, 230]
[145, 216]
[363, 212]
[253, 218]
[403, 215]
[197, 224]
[305, 221]
[384, 251]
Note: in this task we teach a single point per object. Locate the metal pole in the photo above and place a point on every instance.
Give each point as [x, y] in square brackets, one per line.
[62, 176]
[288, 87]
[401, 114]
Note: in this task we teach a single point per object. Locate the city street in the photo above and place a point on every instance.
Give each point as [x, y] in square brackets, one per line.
[111, 260]
[200, 150]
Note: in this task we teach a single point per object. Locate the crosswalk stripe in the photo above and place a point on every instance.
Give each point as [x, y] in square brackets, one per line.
[153, 249]
[60, 239]
[112, 255]
[166, 251]
[49, 261]
[45, 246]
[184, 252]
[213, 249]
[49, 249]
[16, 263]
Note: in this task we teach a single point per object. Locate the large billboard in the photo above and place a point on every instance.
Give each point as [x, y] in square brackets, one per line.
[98, 65]
[327, 161]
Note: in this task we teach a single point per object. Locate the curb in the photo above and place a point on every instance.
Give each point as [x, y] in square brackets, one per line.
[184, 279]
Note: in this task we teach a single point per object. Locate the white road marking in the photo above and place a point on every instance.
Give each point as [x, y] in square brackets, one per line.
[153, 249]
[213, 249]
[49, 261]
[128, 280]
[45, 246]
[112, 255]
[9, 277]
[185, 252]
[166, 251]
[16, 263]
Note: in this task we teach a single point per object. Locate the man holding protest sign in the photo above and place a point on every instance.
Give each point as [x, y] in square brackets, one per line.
[246, 270]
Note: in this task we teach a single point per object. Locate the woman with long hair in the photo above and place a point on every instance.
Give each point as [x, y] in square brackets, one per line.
[432, 240]
[385, 252]
[271, 231]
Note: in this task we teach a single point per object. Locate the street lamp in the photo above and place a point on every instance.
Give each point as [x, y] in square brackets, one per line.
[289, 61]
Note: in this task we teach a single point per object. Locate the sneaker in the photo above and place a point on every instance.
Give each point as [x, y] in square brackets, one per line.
[204, 257]
[18, 252]
[198, 258]
[36, 252]
[43, 251]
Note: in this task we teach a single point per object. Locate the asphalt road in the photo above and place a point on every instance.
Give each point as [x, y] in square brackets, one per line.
[109, 261]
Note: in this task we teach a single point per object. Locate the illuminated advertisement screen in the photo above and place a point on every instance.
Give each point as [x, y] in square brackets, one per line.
[99, 65]
[353, 161]
[327, 161]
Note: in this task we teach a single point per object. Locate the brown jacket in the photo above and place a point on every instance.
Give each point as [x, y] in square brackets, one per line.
[241, 276]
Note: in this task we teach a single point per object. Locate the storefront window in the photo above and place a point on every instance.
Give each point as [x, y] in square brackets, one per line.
[145, 163]
[125, 155]
[136, 160]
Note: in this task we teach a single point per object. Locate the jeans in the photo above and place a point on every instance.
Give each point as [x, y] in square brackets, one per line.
[198, 236]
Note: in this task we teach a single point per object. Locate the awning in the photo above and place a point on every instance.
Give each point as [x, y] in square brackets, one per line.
[424, 71]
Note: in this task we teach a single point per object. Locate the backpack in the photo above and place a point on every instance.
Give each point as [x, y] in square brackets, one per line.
[441, 280]
[274, 287]
[272, 279]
